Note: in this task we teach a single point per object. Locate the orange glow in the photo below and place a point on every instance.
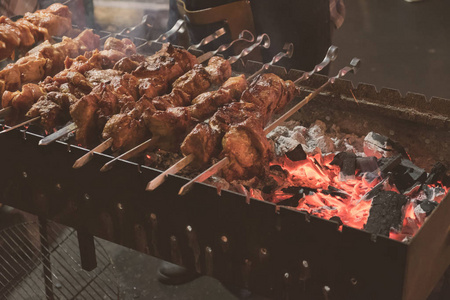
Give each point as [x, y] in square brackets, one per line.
[148, 156]
[332, 196]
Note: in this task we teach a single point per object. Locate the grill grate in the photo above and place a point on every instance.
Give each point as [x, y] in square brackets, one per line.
[26, 272]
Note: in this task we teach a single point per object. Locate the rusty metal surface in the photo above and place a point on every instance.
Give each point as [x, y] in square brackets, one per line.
[278, 253]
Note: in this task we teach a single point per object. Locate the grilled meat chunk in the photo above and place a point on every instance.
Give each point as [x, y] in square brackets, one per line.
[248, 150]
[132, 131]
[56, 18]
[22, 100]
[204, 142]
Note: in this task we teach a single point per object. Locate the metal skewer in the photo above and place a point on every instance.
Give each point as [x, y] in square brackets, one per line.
[163, 37]
[289, 47]
[88, 156]
[185, 161]
[263, 40]
[58, 134]
[20, 125]
[354, 65]
[218, 33]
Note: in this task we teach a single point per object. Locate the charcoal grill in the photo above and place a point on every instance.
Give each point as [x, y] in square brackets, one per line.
[274, 251]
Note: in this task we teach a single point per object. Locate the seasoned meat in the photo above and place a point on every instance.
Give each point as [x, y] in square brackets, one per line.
[219, 69]
[247, 149]
[22, 100]
[270, 93]
[125, 45]
[234, 113]
[56, 18]
[153, 86]
[83, 113]
[132, 132]
[203, 142]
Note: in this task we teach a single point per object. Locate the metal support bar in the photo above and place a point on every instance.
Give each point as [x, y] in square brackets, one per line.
[87, 250]
[46, 259]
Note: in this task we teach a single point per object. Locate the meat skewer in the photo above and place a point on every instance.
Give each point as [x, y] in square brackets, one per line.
[185, 161]
[244, 36]
[58, 92]
[262, 40]
[354, 65]
[54, 20]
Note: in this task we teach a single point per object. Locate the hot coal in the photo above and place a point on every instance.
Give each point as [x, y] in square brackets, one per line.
[388, 164]
[277, 168]
[268, 189]
[298, 190]
[333, 191]
[346, 162]
[427, 206]
[438, 172]
[296, 154]
[367, 164]
[292, 201]
[385, 213]
[407, 174]
[380, 146]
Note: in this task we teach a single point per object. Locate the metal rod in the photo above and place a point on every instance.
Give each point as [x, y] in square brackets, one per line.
[214, 36]
[58, 134]
[262, 40]
[163, 37]
[289, 47]
[46, 258]
[20, 125]
[329, 57]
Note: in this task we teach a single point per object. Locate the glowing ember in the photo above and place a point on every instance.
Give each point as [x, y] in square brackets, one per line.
[328, 194]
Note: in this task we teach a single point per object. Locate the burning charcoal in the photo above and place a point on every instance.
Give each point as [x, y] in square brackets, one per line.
[298, 190]
[292, 201]
[268, 189]
[335, 192]
[387, 165]
[427, 206]
[385, 213]
[437, 173]
[277, 168]
[296, 154]
[433, 193]
[375, 190]
[367, 164]
[407, 174]
[380, 146]
[347, 162]
[337, 220]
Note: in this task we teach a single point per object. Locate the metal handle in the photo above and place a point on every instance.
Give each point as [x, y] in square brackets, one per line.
[262, 40]
[218, 33]
[163, 37]
[329, 57]
[355, 64]
[145, 22]
[288, 47]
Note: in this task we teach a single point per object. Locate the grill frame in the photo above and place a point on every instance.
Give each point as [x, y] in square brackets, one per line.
[254, 245]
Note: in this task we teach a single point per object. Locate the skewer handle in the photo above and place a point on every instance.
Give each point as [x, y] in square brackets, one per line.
[175, 28]
[245, 35]
[214, 36]
[205, 175]
[157, 181]
[262, 40]
[58, 134]
[329, 57]
[20, 125]
[289, 47]
[88, 156]
[130, 153]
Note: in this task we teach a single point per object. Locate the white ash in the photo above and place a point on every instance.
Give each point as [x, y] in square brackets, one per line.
[315, 139]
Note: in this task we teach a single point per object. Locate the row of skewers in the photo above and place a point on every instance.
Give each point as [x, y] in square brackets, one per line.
[129, 98]
[55, 20]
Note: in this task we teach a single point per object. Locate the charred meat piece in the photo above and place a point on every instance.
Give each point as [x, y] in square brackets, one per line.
[83, 113]
[22, 100]
[56, 18]
[248, 150]
[270, 93]
[171, 126]
[203, 141]
[125, 46]
[234, 113]
[53, 108]
[132, 132]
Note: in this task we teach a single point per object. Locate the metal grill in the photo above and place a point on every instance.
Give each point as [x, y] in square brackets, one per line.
[42, 261]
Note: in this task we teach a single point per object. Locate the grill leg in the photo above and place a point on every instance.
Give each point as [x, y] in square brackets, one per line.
[46, 258]
[87, 250]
